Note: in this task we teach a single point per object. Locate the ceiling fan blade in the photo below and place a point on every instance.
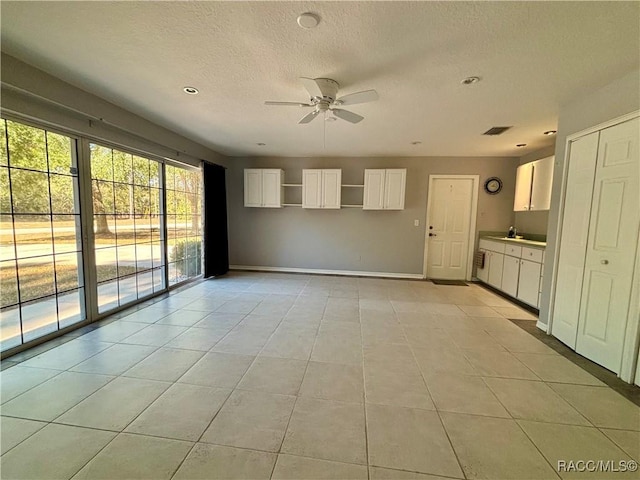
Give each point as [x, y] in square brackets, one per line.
[347, 115]
[309, 116]
[358, 97]
[312, 87]
[289, 104]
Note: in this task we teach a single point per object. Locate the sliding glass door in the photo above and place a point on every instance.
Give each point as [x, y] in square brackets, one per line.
[128, 226]
[41, 272]
[142, 221]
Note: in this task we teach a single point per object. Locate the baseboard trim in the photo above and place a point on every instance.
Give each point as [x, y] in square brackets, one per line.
[542, 326]
[318, 271]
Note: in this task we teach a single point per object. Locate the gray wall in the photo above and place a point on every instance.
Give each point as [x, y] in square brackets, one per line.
[350, 238]
[534, 222]
[618, 98]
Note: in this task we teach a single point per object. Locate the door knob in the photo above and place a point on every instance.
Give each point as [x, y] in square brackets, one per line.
[604, 262]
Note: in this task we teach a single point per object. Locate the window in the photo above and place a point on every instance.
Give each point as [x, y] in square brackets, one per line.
[146, 231]
[184, 223]
[42, 287]
[128, 226]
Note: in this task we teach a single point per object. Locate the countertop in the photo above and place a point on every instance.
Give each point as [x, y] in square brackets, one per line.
[518, 241]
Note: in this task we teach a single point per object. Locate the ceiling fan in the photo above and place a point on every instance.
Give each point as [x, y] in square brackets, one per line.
[323, 93]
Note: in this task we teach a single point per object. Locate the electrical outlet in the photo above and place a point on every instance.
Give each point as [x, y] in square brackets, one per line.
[416, 223]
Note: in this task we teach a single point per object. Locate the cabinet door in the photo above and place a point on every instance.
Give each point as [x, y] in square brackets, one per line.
[395, 180]
[524, 176]
[272, 188]
[252, 187]
[311, 188]
[529, 282]
[483, 273]
[373, 189]
[331, 188]
[495, 270]
[542, 182]
[510, 272]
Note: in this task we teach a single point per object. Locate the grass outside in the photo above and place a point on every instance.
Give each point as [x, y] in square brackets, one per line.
[141, 233]
[38, 280]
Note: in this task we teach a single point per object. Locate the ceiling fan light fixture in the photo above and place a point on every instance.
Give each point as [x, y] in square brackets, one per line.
[330, 119]
[308, 20]
[190, 90]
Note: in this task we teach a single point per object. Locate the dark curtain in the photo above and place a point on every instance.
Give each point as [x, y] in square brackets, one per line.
[216, 243]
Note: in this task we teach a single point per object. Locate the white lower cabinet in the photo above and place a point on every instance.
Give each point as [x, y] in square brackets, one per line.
[495, 270]
[529, 282]
[510, 272]
[514, 269]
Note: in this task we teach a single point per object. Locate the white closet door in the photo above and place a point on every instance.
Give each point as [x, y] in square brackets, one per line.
[612, 245]
[253, 187]
[574, 235]
[542, 182]
[394, 187]
[331, 188]
[373, 189]
[272, 188]
[524, 175]
[312, 188]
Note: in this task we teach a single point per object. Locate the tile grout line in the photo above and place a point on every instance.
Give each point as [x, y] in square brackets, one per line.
[435, 406]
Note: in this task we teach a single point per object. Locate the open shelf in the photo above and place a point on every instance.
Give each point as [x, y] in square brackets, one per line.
[351, 206]
[353, 186]
[291, 184]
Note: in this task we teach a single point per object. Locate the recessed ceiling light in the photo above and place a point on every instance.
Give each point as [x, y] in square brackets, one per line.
[416, 143]
[550, 132]
[260, 144]
[520, 145]
[470, 80]
[190, 90]
[308, 20]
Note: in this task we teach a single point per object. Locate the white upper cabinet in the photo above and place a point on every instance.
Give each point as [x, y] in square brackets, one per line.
[321, 188]
[263, 187]
[533, 185]
[524, 177]
[542, 182]
[384, 189]
[374, 181]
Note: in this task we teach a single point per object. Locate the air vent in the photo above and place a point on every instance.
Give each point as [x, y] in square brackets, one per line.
[496, 130]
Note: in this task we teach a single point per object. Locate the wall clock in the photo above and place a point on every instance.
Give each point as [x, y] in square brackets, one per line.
[493, 185]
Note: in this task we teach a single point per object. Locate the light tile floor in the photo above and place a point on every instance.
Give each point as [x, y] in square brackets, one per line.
[293, 377]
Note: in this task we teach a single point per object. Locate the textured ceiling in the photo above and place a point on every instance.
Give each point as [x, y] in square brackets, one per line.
[532, 58]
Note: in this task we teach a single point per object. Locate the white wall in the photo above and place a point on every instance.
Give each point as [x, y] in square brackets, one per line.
[615, 99]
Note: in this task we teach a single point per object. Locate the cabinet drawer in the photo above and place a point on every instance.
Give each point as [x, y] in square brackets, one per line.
[513, 250]
[492, 246]
[532, 254]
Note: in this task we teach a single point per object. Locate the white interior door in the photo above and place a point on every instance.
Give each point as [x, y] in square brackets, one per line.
[611, 246]
[450, 207]
[573, 241]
